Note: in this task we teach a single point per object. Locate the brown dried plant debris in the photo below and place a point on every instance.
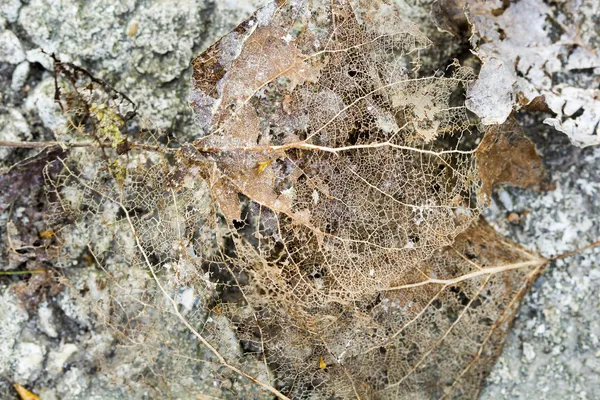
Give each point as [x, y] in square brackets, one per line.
[28, 242]
[507, 156]
[25, 175]
[362, 251]
[327, 225]
[25, 394]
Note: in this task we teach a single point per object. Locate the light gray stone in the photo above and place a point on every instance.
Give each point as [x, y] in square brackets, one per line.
[11, 50]
[13, 127]
[29, 360]
[9, 9]
[41, 102]
[19, 76]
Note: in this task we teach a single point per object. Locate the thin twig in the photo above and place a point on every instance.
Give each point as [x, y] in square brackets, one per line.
[576, 251]
[211, 348]
[38, 145]
[27, 272]
[31, 145]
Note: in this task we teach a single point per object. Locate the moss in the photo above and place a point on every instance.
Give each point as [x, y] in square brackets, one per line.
[118, 171]
[109, 124]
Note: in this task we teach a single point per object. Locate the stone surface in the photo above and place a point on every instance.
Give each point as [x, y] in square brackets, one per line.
[9, 9]
[29, 359]
[13, 318]
[553, 352]
[14, 127]
[19, 76]
[144, 49]
[11, 50]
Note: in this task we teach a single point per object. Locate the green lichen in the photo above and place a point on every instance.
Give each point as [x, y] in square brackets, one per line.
[118, 171]
[109, 124]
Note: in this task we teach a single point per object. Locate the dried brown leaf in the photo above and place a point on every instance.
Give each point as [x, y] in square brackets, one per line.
[351, 194]
[25, 175]
[507, 156]
[361, 254]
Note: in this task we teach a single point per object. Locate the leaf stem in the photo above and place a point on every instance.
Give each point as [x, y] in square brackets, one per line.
[576, 251]
[34, 271]
[37, 145]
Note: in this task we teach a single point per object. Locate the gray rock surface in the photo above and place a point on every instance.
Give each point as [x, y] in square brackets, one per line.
[553, 352]
[11, 50]
[143, 48]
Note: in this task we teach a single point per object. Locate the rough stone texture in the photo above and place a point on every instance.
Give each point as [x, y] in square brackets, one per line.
[11, 50]
[13, 318]
[141, 47]
[553, 351]
[13, 126]
[144, 49]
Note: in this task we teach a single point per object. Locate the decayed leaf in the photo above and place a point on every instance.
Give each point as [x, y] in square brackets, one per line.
[523, 60]
[473, 292]
[506, 156]
[25, 394]
[449, 15]
[25, 175]
[351, 201]
[435, 332]
[362, 248]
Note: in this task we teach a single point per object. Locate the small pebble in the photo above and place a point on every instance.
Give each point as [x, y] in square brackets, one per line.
[514, 218]
[133, 29]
